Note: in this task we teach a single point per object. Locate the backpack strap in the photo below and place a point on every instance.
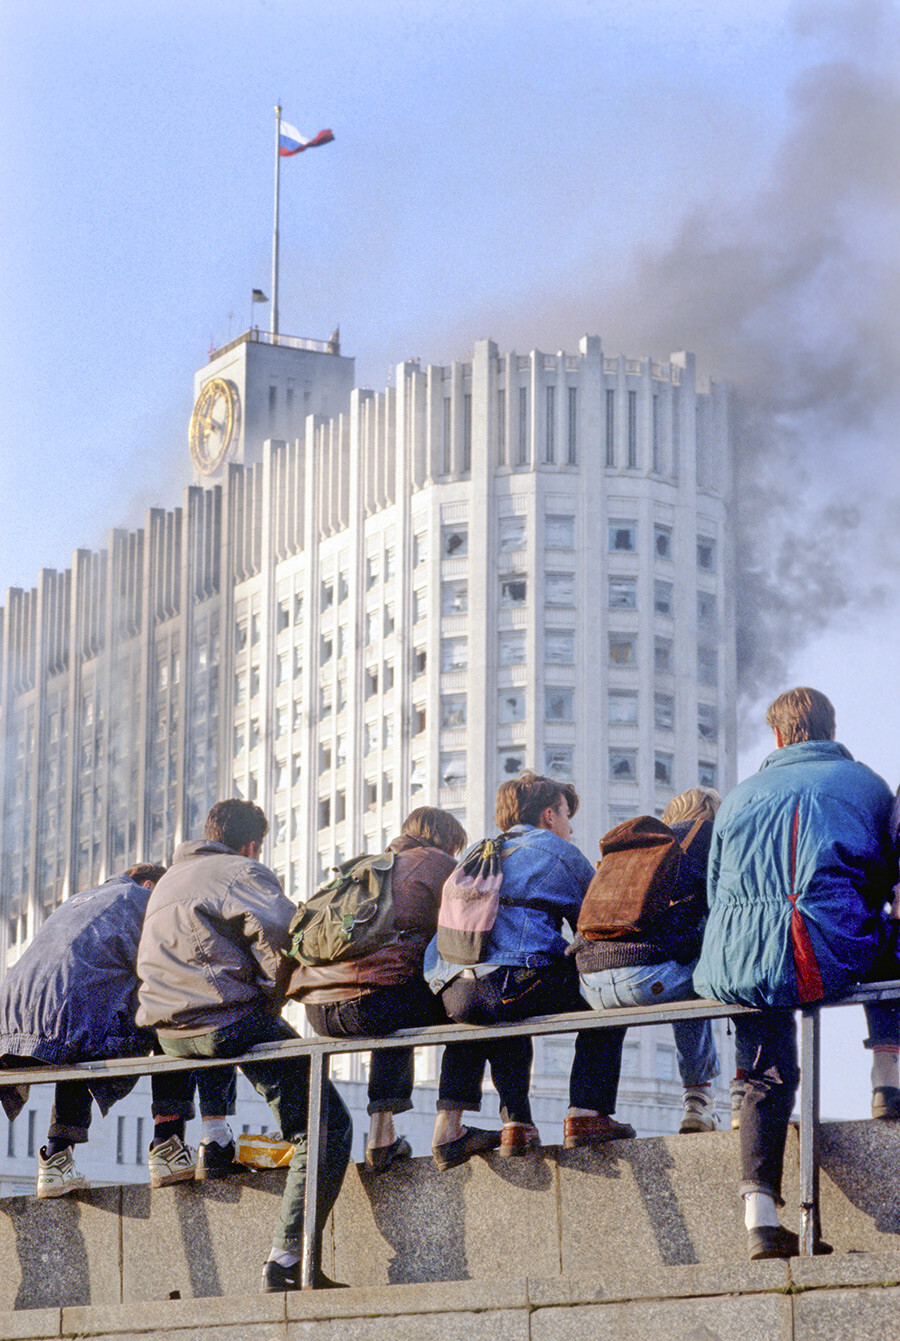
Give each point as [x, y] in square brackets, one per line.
[685, 842]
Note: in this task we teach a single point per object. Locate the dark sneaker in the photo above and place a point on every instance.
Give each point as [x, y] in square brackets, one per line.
[886, 1102]
[216, 1161]
[277, 1278]
[473, 1141]
[770, 1241]
[379, 1158]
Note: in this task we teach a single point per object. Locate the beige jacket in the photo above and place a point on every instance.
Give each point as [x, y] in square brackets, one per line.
[211, 950]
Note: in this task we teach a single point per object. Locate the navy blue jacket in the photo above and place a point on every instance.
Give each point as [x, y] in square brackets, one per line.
[72, 996]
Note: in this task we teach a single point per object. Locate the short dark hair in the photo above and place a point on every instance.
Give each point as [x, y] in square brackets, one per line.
[143, 872]
[235, 823]
[437, 827]
[524, 799]
[802, 714]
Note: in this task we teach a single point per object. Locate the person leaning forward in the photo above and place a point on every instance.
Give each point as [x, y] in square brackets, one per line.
[797, 885]
[211, 966]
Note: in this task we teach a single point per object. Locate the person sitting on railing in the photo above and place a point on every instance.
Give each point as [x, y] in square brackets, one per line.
[212, 969]
[799, 876]
[524, 971]
[71, 997]
[646, 928]
[384, 991]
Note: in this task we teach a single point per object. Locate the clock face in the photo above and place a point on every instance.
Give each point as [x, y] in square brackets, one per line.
[214, 424]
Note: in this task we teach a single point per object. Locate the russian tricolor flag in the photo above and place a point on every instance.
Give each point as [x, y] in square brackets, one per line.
[290, 141]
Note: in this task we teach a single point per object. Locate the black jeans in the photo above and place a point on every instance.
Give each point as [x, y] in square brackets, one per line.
[507, 995]
[391, 1070]
[171, 1095]
[284, 1084]
[767, 1043]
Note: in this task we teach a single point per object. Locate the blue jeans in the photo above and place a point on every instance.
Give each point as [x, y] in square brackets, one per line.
[284, 1084]
[648, 985]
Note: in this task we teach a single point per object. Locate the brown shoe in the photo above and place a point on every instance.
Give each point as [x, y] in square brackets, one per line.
[595, 1131]
[519, 1138]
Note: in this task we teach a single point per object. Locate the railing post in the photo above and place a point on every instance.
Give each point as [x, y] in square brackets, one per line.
[316, 1136]
[809, 1130]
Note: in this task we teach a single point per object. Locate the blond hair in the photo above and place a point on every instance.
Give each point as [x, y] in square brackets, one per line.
[801, 714]
[695, 803]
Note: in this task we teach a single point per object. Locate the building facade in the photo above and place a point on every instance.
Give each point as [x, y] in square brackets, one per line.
[369, 602]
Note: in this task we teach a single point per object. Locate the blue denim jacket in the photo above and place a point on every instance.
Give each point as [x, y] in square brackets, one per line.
[544, 880]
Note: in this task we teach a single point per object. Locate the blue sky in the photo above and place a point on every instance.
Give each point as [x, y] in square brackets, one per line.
[714, 176]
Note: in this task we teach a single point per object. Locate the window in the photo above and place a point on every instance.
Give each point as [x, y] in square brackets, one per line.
[387, 676]
[662, 541]
[453, 710]
[140, 1154]
[324, 757]
[559, 532]
[501, 427]
[512, 763]
[454, 654]
[623, 765]
[572, 438]
[707, 615]
[512, 706]
[324, 815]
[559, 646]
[327, 597]
[370, 738]
[664, 712]
[511, 648]
[370, 682]
[662, 656]
[420, 549]
[631, 1059]
[665, 1062]
[708, 721]
[623, 707]
[522, 446]
[373, 570]
[420, 662]
[657, 444]
[343, 586]
[387, 788]
[623, 536]
[453, 769]
[610, 428]
[120, 1140]
[511, 533]
[454, 541]
[419, 720]
[623, 649]
[326, 700]
[454, 597]
[467, 433]
[513, 590]
[298, 607]
[420, 606]
[340, 751]
[326, 650]
[632, 430]
[550, 435]
[340, 807]
[706, 774]
[282, 616]
[281, 722]
[707, 665]
[663, 600]
[417, 777]
[446, 435]
[387, 733]
[559, 588]
[559, 761]
[662, 769]
[390, 564]
[622, 593]
[706, 554]
[559, 704]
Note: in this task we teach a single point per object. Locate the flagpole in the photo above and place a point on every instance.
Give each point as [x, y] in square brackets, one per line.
[275, 230]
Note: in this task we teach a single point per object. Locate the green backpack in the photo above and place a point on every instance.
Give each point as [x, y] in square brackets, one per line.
[350, 916]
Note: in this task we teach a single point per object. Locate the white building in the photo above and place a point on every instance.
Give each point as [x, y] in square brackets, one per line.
[517, 561]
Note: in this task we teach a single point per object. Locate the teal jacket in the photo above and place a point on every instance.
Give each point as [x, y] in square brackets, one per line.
[799, 873]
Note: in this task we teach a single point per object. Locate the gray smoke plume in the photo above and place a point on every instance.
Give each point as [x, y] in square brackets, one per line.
[792, 295]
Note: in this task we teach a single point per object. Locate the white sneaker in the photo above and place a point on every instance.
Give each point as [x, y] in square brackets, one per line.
[172, 1162]
[699, 1110]
[57, 1176]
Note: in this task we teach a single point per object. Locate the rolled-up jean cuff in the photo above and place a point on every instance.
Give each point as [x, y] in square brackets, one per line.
[389, 1106]
[761, 1187]
[176, 1108]
[58, 1131]
[470, 1105]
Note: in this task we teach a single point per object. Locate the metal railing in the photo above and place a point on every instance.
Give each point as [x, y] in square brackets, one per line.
[319, 1050]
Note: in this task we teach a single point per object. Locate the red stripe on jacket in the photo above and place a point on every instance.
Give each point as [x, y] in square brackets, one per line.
[806, 967]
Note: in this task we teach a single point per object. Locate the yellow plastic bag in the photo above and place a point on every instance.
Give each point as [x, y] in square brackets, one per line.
[263, 1152]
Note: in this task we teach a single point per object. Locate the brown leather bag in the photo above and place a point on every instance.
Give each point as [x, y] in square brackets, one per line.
[636, 882]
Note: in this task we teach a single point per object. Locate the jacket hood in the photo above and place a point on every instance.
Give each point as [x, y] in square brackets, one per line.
[202, 847]
[806, 752]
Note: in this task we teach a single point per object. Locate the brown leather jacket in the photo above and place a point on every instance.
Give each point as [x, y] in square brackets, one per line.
[418, 878]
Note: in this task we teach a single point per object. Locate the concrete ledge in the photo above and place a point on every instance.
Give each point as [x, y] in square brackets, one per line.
[763, 1303]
